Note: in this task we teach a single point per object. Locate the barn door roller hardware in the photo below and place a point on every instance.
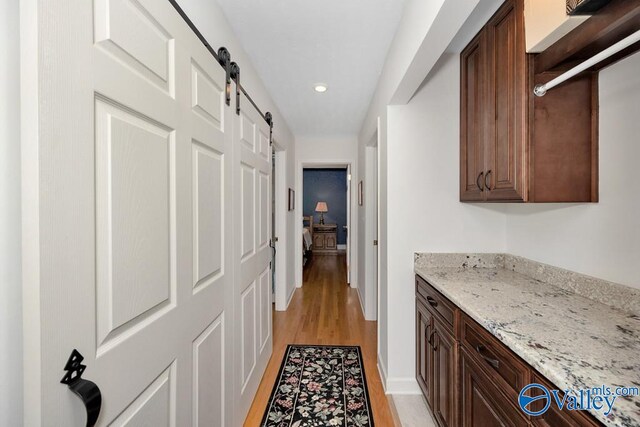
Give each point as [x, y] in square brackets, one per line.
[234, 69]
[269, 119]
[223, 57]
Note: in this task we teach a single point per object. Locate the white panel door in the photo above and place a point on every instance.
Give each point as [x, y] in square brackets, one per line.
[128, 211]
[253, 346]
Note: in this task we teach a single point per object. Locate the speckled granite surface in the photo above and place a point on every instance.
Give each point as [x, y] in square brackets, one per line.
[615, 295]
[574, 341]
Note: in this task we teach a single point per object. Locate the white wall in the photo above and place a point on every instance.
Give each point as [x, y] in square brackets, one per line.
[210, 20]
[425, 31]
[424, 211]
[327, 151]
[10, 222]
[420, 208]
[602, 239]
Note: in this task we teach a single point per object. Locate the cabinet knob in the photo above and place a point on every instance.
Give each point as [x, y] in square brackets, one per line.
[478, 181]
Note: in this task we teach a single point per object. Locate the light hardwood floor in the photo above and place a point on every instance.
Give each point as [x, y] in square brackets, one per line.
[324, 311]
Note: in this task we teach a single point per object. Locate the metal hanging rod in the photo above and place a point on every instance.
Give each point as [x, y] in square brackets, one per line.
[223, 57]
[541, 89]
[193, 27]
[244, 92]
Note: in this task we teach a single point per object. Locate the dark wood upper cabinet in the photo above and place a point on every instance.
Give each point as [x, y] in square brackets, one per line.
[506, 114]
[472, 131]
[516, 147]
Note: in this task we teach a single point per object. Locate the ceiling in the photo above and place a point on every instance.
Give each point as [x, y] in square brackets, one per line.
[294, 44]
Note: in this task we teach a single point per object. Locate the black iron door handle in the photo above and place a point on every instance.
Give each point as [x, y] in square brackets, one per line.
[86, 390]
[432, 301]
[493, 362]
[478, 181]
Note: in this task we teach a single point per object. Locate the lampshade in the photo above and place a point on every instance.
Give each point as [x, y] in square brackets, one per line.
[322, 207]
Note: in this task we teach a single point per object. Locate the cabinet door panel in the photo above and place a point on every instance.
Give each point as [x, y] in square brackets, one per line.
[318, 241]
[472, 101]
[444, 351]
[330, 241]
[482, 403]
[506, 107]
[424, 353]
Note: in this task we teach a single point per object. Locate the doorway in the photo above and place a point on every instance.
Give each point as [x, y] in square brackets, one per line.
[344, 232]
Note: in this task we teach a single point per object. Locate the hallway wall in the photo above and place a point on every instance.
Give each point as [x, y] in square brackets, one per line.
[424, 209]
[421, 210]
[10, 219]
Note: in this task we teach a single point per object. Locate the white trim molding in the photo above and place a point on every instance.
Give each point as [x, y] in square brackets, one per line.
[402, 385]
[383, 374]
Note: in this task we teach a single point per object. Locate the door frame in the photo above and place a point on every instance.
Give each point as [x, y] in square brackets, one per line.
[352, 232]
[371, 231]
[280, 212]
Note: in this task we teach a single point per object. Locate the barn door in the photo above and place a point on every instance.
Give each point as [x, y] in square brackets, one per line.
[127, 208]
[253, 252]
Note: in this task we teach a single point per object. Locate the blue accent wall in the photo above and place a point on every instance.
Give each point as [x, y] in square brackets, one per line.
[326, 185]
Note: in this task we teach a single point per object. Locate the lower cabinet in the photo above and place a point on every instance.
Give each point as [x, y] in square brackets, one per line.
[325, 238]
[468, 377]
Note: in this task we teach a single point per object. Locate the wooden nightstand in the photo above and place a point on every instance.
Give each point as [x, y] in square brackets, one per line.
[325, 239]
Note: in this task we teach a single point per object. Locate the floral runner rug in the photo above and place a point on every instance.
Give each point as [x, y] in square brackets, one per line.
[320, 386]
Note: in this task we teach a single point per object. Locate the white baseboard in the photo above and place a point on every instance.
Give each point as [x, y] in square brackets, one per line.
[383, 374]
[290, 298]
[361, 304]
[402, 385]
[342, 247]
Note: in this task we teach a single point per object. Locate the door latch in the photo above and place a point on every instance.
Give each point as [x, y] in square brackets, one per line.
[86, 390]
[375, 243]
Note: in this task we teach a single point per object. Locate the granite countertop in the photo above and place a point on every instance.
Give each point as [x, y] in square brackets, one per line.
[573, 340]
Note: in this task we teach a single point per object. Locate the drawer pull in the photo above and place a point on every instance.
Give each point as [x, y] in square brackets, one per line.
[430, 340]
[432, 301]
[493, 362]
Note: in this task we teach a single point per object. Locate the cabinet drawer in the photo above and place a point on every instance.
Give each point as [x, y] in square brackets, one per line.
[554, 417]
[507, 370]
[436, 301]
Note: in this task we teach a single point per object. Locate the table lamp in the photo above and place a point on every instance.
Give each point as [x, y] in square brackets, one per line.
[322, 208]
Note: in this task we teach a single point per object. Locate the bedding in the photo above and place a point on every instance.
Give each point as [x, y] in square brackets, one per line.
[306, 238]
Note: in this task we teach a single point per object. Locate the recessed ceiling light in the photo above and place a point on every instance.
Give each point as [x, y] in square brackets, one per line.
[320, 87]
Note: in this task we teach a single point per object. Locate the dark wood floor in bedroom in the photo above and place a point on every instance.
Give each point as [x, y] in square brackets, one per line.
[324, 311]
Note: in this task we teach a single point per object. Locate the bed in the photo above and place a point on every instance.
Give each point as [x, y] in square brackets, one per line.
[307, 238]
